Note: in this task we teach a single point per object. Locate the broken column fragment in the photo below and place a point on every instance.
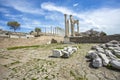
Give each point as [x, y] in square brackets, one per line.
[109, 53]
[66, 52]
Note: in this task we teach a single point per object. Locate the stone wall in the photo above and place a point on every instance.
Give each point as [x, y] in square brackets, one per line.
[103, 39]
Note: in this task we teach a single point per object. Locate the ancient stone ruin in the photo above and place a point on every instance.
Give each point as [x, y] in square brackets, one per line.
[107, 55]
[70, 23]
[66, 52]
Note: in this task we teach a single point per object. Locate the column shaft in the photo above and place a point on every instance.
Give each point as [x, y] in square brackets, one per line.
[65, 15]
[78, 26]
[72, 25]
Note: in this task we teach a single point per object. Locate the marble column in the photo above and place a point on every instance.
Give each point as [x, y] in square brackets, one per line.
[72, 25]
[51, 30]
[66, 29]
[78, 26]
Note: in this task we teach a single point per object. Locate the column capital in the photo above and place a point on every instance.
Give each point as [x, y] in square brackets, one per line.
[70, 15]
[77, 21]
[65, 14]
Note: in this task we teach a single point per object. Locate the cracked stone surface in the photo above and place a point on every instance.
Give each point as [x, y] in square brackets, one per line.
[36, 64]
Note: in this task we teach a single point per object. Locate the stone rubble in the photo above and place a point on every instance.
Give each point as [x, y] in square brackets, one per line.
[65, 53]
[57, 53]
[107, 54]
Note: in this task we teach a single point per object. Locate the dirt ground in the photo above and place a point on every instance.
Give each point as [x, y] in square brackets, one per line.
[36, 63]
[11, 42]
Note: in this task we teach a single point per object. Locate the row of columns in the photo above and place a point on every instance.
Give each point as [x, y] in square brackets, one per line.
[53, 30]
[70, 23]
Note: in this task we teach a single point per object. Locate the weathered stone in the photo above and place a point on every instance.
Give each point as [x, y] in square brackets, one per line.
[99, 49]
[74, 49]
[111, 48]
[65, 49]
[53, 41]
[103, 46]
[49, 42]
[111, 45]
[92, 54]
[114, 42]
[117, 48]
[97, 62]
[70, 50]
[70, 22]
[65, 54]
[110, 54]
[92, 77]
[115, 64]
[117, 53]
[57, 53]
[93, 47]
[105, 60]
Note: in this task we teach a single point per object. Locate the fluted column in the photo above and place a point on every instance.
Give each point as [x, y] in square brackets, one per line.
[72, 25]
[66, 29]
[51, 30]
[78, 26]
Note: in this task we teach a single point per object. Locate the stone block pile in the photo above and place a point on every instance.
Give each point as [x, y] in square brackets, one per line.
[107, 54]
[66, 52]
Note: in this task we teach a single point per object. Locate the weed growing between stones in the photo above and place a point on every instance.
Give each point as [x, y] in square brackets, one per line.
[16, 62]
[33, 79]
[13, 63]
[21, 47]
[77, 77]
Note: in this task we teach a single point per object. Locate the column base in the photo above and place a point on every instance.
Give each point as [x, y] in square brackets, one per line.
[66, 40]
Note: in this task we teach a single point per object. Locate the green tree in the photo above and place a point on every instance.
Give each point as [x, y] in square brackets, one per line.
[31, 32]
[103, 34]
[37, 29]
[13, 25]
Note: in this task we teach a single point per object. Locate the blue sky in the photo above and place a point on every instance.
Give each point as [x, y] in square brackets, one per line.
[101, 15]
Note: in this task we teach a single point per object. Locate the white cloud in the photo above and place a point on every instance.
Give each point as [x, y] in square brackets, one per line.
[53, 7]
[55, 17]
[76, 4]
[104, 19]
[22, 6]
[29, 23]
[4, 10]
[13, 17]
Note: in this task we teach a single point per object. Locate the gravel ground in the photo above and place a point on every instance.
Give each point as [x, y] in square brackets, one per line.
[36, 64]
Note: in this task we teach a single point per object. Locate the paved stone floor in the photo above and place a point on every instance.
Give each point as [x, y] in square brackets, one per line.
[36, 64]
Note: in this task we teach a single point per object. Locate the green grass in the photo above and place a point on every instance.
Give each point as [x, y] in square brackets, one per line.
[24, 79]
[118, 56]
[21, 47]
[77, 77]
[33, 79]
[59, 48]
[33, 46]
[16, 62]
[13, 63]
[46, 78]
